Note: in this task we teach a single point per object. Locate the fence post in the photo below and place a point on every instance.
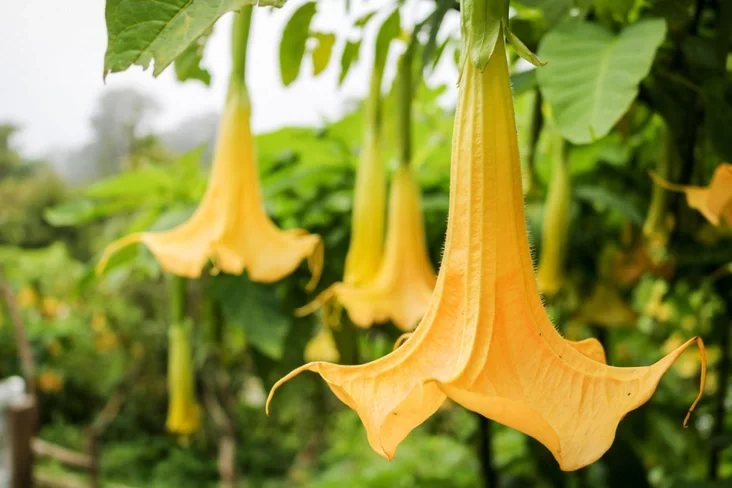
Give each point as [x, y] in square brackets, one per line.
[22, 419]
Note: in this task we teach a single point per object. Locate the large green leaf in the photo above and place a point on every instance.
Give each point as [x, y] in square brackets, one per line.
[141, 31]
[188, 64]
[592, 76]
[141, 183]
[256, 309]
[554, 11]
[292, 45]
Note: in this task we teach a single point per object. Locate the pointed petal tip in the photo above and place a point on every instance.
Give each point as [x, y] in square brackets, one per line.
[113, 247]
[315, 263]
[703, 377]
[284, 379]
[324, 297]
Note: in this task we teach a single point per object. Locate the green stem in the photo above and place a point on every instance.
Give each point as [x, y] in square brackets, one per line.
[723, 326]
[404, 111]
[214, 320]
[485, 453]
[177, 299]
[373, 103]
[659, 197]
[239, 42]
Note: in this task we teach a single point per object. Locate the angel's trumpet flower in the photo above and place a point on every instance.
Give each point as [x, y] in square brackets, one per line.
[369, 199]
[230, 226]
[555, 233]
[402, 287]
[183, 410]
[486, 341]
[713, 201]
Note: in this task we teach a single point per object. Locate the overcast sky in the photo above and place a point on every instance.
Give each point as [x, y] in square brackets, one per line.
[52, 56]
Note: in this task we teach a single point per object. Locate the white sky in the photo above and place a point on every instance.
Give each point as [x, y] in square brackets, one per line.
[52, 54]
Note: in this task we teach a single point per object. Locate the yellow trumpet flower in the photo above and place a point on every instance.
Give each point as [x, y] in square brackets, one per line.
[714, 202]
[486, 341]
[555, 233]
[401, 289]
[231, 226]
[369, 202]
[183, 410]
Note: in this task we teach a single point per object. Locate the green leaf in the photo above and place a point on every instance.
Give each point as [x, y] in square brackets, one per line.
[141, 31]
[592, 76]
[188, 64]
[141, 183]
[523, 81]
[389, 30]
[481, 23]
[606, 199]
[524, 51]
[322, 52]
[434, 22]
[349, 56]
[718, 104]
[554, 11]
[71, 213]
[256, 309]
[364, 19]
[292, 45]
[82, 211]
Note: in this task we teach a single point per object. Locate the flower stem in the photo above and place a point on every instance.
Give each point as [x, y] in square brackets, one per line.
[177, 299]
[485, 453]
[719, 407]
[658, 207]
[239, 42]
[405, 92]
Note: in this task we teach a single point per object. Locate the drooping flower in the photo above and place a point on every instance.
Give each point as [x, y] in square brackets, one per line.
[367, 220]
[401, 289]
[486, 341]
[183, 409]
[230, 226]
[555, 232]
[713, 201]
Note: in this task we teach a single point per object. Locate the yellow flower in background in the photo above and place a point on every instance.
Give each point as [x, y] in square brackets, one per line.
[230, 226]
[50, 307]
[606, 307]
[401, 289]
[555, 231]
[50, 382]
[27, 297]
[183, 409]
[322, 347]
[99, 322]
[713, 201]
[486, 341]
[106, 341]
[367, 220]
[55, 348]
